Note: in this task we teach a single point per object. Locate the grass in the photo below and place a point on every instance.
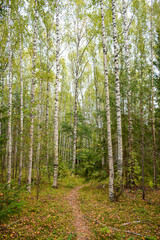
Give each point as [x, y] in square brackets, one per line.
[96, 205]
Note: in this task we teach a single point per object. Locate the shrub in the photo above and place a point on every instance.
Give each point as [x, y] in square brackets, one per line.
[10, 203]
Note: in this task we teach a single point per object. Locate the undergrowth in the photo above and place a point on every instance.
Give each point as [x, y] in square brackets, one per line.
[49, 217]
[130, 213]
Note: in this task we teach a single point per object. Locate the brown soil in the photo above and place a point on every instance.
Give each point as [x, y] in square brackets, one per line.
[82, 230]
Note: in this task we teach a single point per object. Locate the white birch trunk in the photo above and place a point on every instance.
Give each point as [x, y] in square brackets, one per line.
[47, 104]
[32, 100]
[127, 62]
[118, 100]
[110, 152]
[10, 100]
[55, 176]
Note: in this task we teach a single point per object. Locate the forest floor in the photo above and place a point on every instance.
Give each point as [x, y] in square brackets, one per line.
[83, 211]
[81, 228]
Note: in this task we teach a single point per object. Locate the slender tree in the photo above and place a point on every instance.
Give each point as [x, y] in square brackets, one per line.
[55, 176]
[142, 130]
[128, 76]
[110, 153]
[39, 133]
[32, 96]
[75, 106]
[10, 98]
[118, 100]
[47, 104]
[152, 103]
[21, 114]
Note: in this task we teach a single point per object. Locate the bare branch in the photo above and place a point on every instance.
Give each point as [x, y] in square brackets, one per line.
[114, 229]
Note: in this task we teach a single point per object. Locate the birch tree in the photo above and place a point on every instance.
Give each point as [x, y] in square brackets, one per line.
[32, 96]
[75, 105]
[128, 75]
[55, 176]
[118, 100]
[110, 151]
[47, 103]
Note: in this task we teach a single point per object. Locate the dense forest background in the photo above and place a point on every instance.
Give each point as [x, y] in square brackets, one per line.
[80, 90]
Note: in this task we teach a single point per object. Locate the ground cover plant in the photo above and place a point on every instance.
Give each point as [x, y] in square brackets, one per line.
[130, 213]
[52, 215]
[49, 217]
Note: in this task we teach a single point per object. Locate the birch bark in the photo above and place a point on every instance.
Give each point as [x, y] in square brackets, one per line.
[32, 99]
[47, 104]
[127, 62]
[110, 151]
[118, 100]
[55, 176]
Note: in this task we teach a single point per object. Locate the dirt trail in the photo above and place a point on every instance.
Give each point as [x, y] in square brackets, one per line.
[82, 230]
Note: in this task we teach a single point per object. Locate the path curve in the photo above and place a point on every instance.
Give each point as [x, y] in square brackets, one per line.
[82, 230]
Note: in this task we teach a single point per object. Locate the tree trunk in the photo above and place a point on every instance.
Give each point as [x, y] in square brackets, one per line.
[76, 103]
[32, 99]
[55, 177]
[152, 103]
[47, 130]
[15, 156]
[142, 133]
[75, 118]
[118, 100]
[1, 127]
[21, 117]
[96, 92]
[110, 152]
[39, 134]
[127, 62]
[47, 105]
[10, 100]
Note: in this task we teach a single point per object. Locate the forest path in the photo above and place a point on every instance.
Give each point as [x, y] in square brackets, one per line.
[82, 230]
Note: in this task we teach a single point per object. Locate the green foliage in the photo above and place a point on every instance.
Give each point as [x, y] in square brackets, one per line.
[90, 165]
[151, 184]
[134, 169]
[71, 181]
[10, 203]
[105, 230]
[150, 238]
[95, 203]
[63, 170]
[71, 237]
